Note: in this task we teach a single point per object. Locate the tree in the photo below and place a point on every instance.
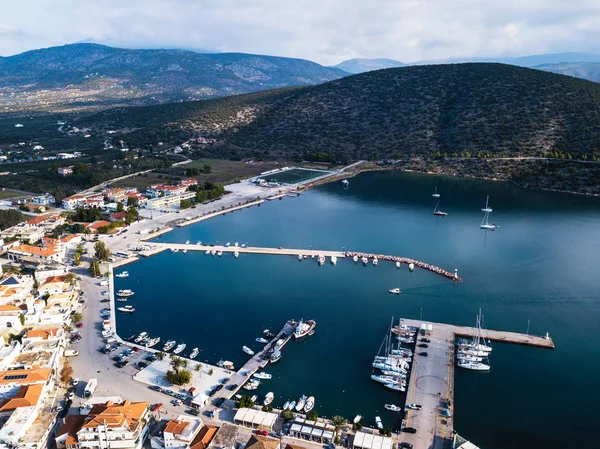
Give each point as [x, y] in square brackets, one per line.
[70, 278]
[95, 268]
[66, 373]
[22, 319]
[120, 207]
[246, 402]
[132, 201]
[160, 355]
[338, 422]
[211, 372]
[312, 415]
[198, 367]
[287, 415]
[207, 168]
[386, 432]
[101, 251]
[181, 377]
[76, 317]
[357, 426]
[176, 362]
[185, 204]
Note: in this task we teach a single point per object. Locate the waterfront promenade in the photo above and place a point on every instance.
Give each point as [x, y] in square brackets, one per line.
[431, 382]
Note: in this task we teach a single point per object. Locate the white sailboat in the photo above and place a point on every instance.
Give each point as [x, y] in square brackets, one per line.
[468, 363]
[435, 194]
[436, 211]
[485, 224]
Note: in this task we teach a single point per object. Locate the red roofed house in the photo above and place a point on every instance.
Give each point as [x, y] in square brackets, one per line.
[97, 225]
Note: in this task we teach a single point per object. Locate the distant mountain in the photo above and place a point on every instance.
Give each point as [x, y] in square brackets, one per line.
[461, 109]
[361, 65]
[586, 70]
[92, 75]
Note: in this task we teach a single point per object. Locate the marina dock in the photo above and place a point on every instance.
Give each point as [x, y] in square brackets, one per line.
[431, 383]
[158, 247]
[255, 363]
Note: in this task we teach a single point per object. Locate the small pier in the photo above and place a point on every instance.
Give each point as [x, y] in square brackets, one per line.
[255, 363]
[432, 380]
[405, 260]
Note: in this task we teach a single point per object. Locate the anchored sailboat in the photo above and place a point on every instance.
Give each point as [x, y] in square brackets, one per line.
[471, 354]
[485, 224]
[437, 212]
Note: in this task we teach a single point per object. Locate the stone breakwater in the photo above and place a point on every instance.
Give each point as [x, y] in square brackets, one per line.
[408, 261]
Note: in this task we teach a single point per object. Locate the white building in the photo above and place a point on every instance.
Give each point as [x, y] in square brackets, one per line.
[180, 433]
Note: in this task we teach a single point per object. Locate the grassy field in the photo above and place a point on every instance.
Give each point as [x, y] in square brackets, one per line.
[143, 181]
[225, 171]
[7, 194]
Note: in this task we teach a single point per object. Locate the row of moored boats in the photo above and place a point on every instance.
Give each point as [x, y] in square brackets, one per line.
[473, 354]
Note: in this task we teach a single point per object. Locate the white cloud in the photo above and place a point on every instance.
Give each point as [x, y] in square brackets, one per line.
[326, 31]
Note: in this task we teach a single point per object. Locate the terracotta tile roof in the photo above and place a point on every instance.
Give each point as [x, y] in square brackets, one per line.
[53, 279]
[204, 437]
[176, 427]
[68, 238]
[127, 414]
[71, 427]
[260, 442]
[25, 376]
[36, 250]
[43, 333]
[27, 396]
[98, 224]
[9, 308]
[118, 215]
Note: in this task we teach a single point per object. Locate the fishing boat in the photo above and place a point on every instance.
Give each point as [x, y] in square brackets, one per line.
[236, 254]
[300, 257]
[355, 259]
[300, 404]
[357, 419]
[395, 291]
[378, 422]
[292, 405]
[140, 337]
[275, 357]
[321, 259]
[398, 264]
[310, 404]
[207, 251]
[435, 194]
[247, 350]
[179, 348]
[364, 260]
[261, 340]
[268, 398]
[345, 182]
[304, 328]
[485, 224]
[219, 253]
[286, 406]
[333, 260]
[194, 353]
[262, 375]
[225, 364]
[125, 293]
[126, 309]
[152, 342]
[254, 398]
[411, 267]
[124, 274]
[170, 344]
[267, 333]
[392, 408]
[122, 299]
[437, 212]
[375, 261]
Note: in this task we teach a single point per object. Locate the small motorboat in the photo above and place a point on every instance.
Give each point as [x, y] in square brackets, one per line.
[194, 353]
[126, 309]
[152, 342]
[170, 344]
[357, 419]
[310, 404]
[378, 422]
[392, 408]
[268, 398]
[262, 375]
[300, 404]
[286, 406]
[179, 348]
[375, 261]
[355, 259]
[220, 253]
[262, 340]
[267, 333]
[395, 291]
[247, 350]
[292, 405]
[398, 264]
[123, 275]
[225, 364]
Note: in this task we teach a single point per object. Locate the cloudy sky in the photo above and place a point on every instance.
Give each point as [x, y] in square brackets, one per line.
[325, 31]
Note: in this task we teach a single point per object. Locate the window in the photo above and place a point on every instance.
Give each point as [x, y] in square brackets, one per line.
[15, 377]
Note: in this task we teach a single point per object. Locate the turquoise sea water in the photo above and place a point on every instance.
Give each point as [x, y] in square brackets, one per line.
[540, 266]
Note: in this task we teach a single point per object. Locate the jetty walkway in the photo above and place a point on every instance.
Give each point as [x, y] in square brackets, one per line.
[159, 247]
[431, 383]
[255, 363]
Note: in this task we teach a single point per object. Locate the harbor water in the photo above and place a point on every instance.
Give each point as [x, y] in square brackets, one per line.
[538, 271]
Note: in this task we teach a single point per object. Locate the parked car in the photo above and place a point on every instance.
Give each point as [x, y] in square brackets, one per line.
[218, 387]
[176, 402]
[151, 358]
[169, 392]
[79, 325]
[71, 396]
[193, 411]
[155, 388]
[425, 340]
[264, 433]
[104, 350]
[75, 381]
[142, 365]
[232, 387]
[122, 364]
[405, 445]
[219, 402]
[156, 407]
[424, 354]
[423, 345]
[413, 406]
[210, 414]
[409, 430]
[105, 300]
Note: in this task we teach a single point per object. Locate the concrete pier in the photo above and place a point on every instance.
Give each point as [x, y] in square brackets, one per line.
[431, 382]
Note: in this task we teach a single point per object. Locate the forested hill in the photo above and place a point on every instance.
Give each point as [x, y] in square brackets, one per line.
[454, 109]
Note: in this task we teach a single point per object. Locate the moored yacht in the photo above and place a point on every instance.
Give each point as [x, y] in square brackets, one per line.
[268, 398]
[124, 274]
[378, 422]
[261, 340]
[219, 253]
[236, 254]
[225, 364]
[262, 375]
[300, 257]
[140, 337]
[125, 293]
[375, 261]
[398, 264]
[126, 309]
[170, 344]
[345, 182]
[300, 404]
[304, 328]
[179, 348]
[333, 260]
[194, 353]
[475, 366]
[310, 404]
[392, 408]
[275, 357]
[321, 259]
[247, 350]
[395, 387]
[364, 260]
[152, 342]
[355, 259]
[286, 406]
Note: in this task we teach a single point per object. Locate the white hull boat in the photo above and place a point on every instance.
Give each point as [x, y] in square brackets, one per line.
[141, 337]
[268, 398]
[152, 342]
[355, 259]
[375, 261]
[475, 366]
[122, 275]
[395, 387]
[392, 408]
[170, 344]
[333, 260]
[286, 406]
[357, 419]
[261, 340]
[300, 404]
[225, 364]
[126, 309]
[378, 422]
[304, 328]
[395, 291]
[398, 264]
[262, 375]
[247, 350]
[179, 348]
[194, 353]
[364, 260]
[310, 404]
